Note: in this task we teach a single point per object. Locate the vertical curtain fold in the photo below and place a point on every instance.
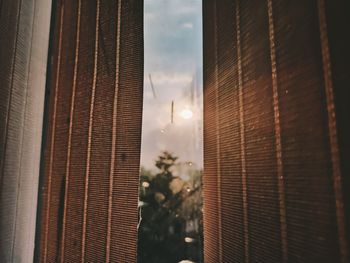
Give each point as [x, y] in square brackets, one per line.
[24, 33]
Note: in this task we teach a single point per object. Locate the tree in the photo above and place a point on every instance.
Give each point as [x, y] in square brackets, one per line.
[163, 196]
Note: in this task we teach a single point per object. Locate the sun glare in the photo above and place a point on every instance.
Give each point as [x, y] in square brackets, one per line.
[186, 114]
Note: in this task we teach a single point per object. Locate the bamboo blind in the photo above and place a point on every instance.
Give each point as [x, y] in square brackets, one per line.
[276, 108]
[272, 173]
[92, 148]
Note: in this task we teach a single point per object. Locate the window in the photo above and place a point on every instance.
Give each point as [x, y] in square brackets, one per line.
[170, 228]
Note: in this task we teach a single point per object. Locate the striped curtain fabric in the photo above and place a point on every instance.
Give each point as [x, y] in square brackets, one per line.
[89, 188]
[24, 37]
[274, 174]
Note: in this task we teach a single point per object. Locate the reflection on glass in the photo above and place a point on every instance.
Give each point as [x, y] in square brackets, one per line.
[171, 227]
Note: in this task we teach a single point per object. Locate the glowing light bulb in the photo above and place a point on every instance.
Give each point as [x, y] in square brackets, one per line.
[186, 114]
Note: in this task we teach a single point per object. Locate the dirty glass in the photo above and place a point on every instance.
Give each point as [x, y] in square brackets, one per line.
[170, 197]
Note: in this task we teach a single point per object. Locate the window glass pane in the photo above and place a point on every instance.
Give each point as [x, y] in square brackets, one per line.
[170, 227]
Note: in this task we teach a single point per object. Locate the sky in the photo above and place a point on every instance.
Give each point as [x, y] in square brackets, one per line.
[173, 58]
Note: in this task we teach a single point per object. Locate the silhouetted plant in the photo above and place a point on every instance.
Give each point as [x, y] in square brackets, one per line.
[166, 202]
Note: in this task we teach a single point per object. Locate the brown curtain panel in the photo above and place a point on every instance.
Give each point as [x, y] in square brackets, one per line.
[89, 192]
[276, 155]
[24, 37]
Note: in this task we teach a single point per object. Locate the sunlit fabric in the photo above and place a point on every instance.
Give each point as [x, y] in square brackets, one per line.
[89, 189]
[273, 180]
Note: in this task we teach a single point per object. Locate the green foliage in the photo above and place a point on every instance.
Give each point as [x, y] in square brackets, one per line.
[165, 162]
[167, 202]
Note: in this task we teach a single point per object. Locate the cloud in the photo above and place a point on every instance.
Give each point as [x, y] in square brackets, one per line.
[166, 78]
[187, 25]
[173, 55]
